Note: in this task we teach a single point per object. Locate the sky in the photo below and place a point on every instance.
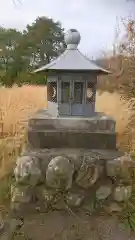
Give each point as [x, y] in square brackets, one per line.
[96, 20]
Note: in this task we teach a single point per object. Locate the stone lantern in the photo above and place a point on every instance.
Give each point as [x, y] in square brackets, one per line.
[71, 161]
[71, 83]
[71, 95]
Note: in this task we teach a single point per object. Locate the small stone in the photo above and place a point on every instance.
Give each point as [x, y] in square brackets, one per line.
[47, 195]
[20, 194]
[74, 199]
[103, 192]
[1, 222]
[89, 172]
[15, 207]
[27, 170]
[89, 207]
[122, 193]
[15, 224]
[113, 207]
[59, 173]
[119, 167]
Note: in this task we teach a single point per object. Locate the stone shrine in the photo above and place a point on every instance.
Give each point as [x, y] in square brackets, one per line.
[71, 120]
[72, 163]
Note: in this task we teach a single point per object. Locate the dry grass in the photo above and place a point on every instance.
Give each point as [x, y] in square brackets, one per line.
[17, 104]
[114, 106]
[122, 112]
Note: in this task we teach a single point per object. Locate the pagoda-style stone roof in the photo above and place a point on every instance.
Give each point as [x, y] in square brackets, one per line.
[72, 59]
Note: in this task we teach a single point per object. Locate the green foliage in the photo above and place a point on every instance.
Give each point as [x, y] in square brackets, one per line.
[10, 149]
[128, 215]
[22, 52]
[5, 186]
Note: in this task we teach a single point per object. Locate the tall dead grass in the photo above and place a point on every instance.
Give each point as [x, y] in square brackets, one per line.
[17, 104]
[122, 111]
[114, 106]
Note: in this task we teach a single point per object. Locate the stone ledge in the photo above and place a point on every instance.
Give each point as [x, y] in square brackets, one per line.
[101, 154]
[60, 139]
[99, 123]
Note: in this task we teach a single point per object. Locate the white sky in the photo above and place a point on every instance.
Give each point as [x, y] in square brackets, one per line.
[95, 19]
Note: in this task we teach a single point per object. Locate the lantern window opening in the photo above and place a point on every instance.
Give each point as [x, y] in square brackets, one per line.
[90, 92]
[52, 91]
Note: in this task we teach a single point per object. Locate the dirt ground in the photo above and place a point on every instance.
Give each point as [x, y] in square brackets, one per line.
[63, 226]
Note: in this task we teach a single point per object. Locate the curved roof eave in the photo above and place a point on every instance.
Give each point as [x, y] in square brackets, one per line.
[73, 61]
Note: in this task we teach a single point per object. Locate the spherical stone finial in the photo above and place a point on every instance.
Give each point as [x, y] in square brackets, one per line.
[72, 38]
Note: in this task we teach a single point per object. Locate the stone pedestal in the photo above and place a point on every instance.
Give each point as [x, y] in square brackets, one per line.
[86, 179]
[45, 131]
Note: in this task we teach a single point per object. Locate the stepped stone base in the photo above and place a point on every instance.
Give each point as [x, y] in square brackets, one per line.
[71, 179]
[59, 139]
[45, 131]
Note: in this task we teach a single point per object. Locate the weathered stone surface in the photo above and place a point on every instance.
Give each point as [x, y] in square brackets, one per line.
[103, 192]
[71, 139]
[48, 196]
[59, 173]
[119, 167]
[11, 226]
[42, 121]
[20, 194]
[89, 206]
[122, 193]
[74, 199]
[113, 207]
[89, 172]
[76, 154]
[27, 170]
[47, 132]
[72, 179]
[1, 221]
